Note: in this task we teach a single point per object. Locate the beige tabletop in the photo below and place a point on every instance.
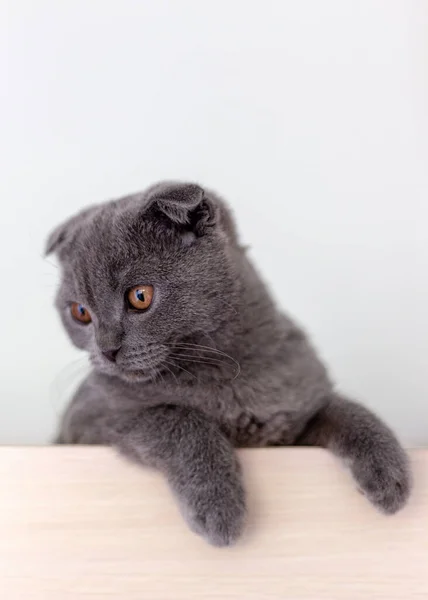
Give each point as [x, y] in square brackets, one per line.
[80, 523]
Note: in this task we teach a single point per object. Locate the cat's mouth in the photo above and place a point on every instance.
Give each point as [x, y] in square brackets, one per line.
[139, 367]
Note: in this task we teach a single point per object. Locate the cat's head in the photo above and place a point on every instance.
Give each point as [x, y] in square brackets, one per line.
[144, 273]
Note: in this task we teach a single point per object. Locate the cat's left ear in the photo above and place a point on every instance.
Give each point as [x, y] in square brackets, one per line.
[63, 235]
[184, 204]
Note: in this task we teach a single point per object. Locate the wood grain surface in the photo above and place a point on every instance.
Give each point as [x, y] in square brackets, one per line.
[81, 523]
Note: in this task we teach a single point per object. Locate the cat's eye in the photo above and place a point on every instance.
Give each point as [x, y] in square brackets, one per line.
[140, 297]
[80, 313]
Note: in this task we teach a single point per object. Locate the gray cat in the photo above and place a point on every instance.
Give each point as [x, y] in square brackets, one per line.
[191, 357]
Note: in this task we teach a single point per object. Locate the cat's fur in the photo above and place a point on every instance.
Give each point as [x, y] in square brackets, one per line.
[211, 365]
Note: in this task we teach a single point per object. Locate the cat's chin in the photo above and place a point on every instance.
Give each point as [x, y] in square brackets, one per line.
[127, 375]
[136, 376]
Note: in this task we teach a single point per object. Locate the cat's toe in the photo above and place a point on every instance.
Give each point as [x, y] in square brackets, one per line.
[385, 482]
[218, 517]
[219, 529]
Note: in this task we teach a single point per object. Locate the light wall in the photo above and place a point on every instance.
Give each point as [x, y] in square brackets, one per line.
[310, 117]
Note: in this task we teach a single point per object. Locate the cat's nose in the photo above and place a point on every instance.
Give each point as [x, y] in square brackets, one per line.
[111, 354]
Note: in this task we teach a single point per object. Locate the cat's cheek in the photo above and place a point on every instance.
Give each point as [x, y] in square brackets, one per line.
[82, 338]
[81, 335]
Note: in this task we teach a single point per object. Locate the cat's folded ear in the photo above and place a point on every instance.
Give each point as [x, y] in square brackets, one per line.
[54, 240]
[65, 233]
[184, 204]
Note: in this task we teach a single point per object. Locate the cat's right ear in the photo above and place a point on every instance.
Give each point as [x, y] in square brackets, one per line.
[64, 234]
[184, 204]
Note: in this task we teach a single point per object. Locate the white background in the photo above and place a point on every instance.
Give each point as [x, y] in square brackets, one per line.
[310, 117]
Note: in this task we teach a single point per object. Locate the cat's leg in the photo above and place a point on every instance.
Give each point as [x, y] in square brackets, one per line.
[375, 457]
[199, 463]
[190, 450]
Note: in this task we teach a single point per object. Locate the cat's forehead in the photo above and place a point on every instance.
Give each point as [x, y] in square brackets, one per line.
[118, 247]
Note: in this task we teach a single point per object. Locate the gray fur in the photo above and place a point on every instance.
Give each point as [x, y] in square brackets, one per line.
[211, 365]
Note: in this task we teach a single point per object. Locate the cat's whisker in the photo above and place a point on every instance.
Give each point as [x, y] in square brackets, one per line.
[170, 371]
[200, 359]
[205, 348]
[214, 360]
[159, 372]
[201, 347]
[67, 378]
[203, 352]
[49, 262]
[188, 346]
[181, 368]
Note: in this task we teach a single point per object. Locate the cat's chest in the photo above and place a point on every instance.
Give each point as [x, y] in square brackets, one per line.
[249, 430]
[254, 413]
[250, 415]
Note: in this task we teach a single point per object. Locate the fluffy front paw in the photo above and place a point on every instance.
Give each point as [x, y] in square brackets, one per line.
[384, 477]
[216, 511]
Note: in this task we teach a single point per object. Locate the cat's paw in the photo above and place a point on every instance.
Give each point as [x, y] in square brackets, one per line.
[216, 512]
[385, 478]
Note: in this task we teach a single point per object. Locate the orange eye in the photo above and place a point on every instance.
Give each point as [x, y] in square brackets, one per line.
[140, 296]
[80, 313]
